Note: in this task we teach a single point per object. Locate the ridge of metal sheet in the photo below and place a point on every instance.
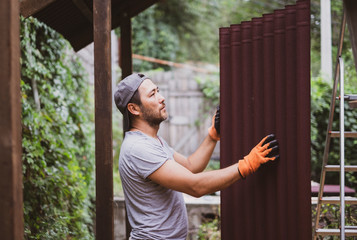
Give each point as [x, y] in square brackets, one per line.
[350, 7]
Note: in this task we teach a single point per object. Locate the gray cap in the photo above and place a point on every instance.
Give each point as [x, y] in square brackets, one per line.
[124, 92]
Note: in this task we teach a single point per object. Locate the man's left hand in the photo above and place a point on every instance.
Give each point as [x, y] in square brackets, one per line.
[214, 130]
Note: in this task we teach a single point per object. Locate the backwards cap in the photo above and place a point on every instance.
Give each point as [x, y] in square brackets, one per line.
[124, 92]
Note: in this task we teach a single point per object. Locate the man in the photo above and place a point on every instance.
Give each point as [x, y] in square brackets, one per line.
[154, 175]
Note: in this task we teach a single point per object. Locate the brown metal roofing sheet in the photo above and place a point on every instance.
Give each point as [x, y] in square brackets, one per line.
[265, 88]
[350, 6]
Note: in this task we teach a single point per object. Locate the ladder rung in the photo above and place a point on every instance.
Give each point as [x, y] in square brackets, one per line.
[351, 97]
[348, 97]
[336, 200]
[336, 168]
[336, 134]
[336, 232]
[351, 227]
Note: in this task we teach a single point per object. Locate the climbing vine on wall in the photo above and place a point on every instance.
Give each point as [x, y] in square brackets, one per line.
[58, 157]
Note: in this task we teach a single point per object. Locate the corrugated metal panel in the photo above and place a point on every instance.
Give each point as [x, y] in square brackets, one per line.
[265, 88]
[350, 6]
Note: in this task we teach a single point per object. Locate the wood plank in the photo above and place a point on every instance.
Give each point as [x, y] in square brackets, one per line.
[11, 204]
[30, 7]
[337, 200]
[130, 8]
[336, 134]
[137, 6]
[126, 65]
[186, 94]
[335, 232]
[352, 104]
[82, 6]
[103, 119]
[336, 168]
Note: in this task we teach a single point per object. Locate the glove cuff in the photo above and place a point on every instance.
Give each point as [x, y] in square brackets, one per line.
[213, 133]
[244, 167]
[240, 174]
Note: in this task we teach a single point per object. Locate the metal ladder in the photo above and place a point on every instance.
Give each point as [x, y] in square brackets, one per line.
[343, 231]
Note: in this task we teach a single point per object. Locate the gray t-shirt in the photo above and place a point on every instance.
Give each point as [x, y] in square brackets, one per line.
[154, 212]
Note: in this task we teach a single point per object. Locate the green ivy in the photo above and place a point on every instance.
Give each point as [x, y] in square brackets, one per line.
[58, 157]
[153, 38]
[330, 218]
[209, 230]
[210, 87]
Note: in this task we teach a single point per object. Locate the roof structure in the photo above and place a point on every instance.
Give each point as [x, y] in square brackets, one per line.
[74, 18]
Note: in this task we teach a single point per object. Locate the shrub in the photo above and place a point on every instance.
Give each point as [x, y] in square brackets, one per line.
[210, 230]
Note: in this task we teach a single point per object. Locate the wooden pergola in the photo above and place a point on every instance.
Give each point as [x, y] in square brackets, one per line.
[80, 22]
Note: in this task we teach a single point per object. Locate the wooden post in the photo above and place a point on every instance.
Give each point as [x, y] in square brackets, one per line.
[126, 59]
[103, 119]
[126, 64]
[11, 205]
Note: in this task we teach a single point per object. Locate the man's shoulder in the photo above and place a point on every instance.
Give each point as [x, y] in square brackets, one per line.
[136, 138]
[135, 141]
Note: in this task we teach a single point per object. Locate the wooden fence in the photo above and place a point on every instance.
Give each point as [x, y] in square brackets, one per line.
[190, 114]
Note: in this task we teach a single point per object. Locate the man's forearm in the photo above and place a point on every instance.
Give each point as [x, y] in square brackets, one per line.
[212, 181]
[200, 158]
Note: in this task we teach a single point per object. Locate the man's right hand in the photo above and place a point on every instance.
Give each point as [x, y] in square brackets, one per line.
[266, 150]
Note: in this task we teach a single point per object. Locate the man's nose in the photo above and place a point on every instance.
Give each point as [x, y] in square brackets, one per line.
[161, 98]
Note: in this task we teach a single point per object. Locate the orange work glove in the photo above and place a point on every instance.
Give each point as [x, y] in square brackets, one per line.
[214, 129]
[266, 150]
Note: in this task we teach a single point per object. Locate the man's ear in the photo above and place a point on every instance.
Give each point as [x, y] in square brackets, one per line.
[133, 109]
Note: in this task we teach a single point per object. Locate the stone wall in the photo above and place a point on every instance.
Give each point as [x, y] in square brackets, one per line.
[198, 209]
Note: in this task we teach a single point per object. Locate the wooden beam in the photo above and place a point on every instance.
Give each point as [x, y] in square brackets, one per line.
[30, 7]
[103, 119]
[126, 65]
[11, 205]
[125, 51]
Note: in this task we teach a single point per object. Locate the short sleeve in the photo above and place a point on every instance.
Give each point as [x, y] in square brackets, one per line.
[148, 156]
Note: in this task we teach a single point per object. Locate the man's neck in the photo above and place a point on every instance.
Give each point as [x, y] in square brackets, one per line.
[145, 128]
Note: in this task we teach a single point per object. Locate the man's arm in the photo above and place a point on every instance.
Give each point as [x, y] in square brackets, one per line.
[175, 176]
[198, 161]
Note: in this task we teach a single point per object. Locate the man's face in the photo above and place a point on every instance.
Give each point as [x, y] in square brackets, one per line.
[152, 103]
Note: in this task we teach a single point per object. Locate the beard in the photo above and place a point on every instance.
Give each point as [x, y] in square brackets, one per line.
[153, 118]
